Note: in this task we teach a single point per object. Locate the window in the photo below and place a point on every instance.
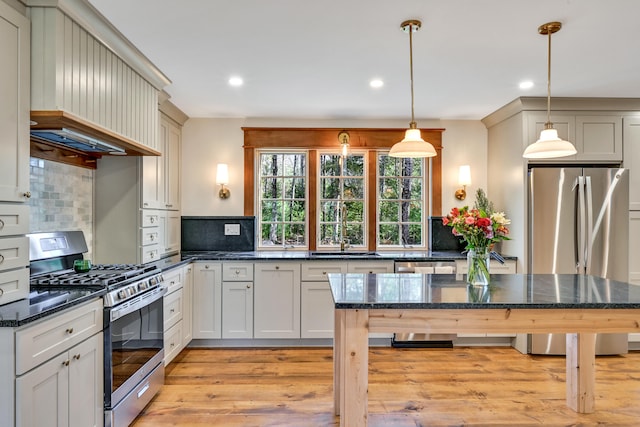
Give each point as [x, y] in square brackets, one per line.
[341, 200]
[296, 186]
[283, 199]
[400, 201]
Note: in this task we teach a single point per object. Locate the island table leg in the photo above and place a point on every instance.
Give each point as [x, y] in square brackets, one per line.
[354, 369]
[338, 346]
[581, 372]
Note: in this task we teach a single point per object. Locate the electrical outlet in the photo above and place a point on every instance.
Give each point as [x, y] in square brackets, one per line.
[232, 229]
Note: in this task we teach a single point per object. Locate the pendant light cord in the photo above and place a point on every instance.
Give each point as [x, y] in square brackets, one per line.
[549, 125]
[413, 124]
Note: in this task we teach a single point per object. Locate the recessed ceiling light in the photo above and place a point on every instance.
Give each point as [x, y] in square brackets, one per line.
[236, 81]
[376, 83]
[526, 84]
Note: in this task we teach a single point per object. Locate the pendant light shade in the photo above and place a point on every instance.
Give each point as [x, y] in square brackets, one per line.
[550, 145]
[412, 145]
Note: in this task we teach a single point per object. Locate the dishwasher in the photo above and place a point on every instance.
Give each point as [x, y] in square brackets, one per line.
[422, 340]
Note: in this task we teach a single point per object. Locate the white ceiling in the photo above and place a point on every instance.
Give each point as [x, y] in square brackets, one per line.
[314, 58]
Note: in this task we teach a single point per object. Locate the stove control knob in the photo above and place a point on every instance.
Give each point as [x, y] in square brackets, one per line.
[122, 294]
[142, 286]
[132, 290]
[153, 281]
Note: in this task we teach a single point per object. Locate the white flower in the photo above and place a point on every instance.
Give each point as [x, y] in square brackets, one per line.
[500, 218]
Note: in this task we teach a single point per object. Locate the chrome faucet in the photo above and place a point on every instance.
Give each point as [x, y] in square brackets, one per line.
[343, 218]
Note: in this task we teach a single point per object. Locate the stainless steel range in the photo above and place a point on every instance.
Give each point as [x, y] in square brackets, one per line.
[133, 329]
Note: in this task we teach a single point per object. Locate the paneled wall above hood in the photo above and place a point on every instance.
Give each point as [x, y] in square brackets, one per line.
[87, 79]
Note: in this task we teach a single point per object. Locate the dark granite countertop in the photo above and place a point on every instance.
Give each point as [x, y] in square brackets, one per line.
[320, 255]
[21, 312]
[448, 291]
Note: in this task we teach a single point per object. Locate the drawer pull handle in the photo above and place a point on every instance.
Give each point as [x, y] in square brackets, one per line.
[69, 330]
[65, 363]
[143, 390]
[172, 283]
[173, 310]
[1, 224]
[173, 345]
[76, 357]
[1, 291]
[1, 258]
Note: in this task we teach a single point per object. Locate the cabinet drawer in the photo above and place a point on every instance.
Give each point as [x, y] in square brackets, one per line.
[172, 308]
[150, 218]
[172, 279]
[14, 285]
[14, 253]
[150, 253]
[239, 271]
[172, 342]
[150, 236]
[53, 335]
[318, 270]
[14, 220]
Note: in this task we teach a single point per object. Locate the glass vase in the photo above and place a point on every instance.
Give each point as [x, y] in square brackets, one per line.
[478, 267]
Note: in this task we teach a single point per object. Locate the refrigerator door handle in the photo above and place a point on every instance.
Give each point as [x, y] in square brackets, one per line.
[581, 225]
[588, 244]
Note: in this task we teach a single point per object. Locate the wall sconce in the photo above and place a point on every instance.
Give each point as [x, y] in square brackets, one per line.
[464, 179]
[343, 137]
[222, 178]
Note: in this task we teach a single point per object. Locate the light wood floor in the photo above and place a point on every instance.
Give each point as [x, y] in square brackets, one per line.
[407, 387]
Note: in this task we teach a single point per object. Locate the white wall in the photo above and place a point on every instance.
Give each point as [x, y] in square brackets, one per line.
[206, 142]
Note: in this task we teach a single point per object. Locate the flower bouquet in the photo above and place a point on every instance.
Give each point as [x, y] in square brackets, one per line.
[480, 227]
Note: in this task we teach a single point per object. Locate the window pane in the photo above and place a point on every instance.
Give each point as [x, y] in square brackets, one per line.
[271, 234]
[294, 165]
[329, 165]
[354, 188]
[354, 166]
[294, 188]
[355, 234]
[388, 211]
[329, 234]
[355, 211]
[330, 188]
[270, 164]
[271, 211]
[294, 234]
[271, 188]
[294, 211]
[389, 234]
[329, 212]
[389, 188]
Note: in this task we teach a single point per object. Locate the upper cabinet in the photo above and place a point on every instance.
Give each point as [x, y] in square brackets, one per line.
[161, 175]
[14, 105]
[597, 136]
[86, 76]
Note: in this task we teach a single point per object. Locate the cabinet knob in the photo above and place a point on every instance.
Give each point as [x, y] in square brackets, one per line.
[1, 224]
[237, 272]
[324, 273]
[27, 194]
[248, 286]
[152, 220]
[172, 310]
[76, 357]
[1, 291]
[69, 330]
[206, 266]
[65, 363]
[1, 258]
[277, 267]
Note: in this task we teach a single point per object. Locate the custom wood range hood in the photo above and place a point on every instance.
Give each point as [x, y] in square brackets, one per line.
[64, 137]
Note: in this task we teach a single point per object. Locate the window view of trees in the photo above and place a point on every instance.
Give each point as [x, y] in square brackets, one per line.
[400, 201]
[283, 199]
[342, 200]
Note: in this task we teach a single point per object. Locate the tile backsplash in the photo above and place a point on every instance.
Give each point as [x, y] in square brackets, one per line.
[61, 198]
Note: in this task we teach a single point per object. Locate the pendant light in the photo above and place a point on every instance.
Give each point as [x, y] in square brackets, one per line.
[550, 145]
[412, 145]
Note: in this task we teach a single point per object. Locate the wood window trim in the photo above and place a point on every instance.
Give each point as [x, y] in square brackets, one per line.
[312, 139]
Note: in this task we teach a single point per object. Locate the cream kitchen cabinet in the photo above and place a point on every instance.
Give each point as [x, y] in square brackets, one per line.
[631, 134]
[173, 306]
[207, 300]
[237, 300]
[15, 105]
[316, 302]
[597, 137]
[634, 248]
[59, 369]
[276, 309]
[14, 253]
[187, 298]
[161, 175]
[64, 391]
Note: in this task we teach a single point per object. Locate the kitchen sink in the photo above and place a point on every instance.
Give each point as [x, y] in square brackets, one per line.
[345, 254]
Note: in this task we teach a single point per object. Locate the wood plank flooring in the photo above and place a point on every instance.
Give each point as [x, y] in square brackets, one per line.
[479, 386]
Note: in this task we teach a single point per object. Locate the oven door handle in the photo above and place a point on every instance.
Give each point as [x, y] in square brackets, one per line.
[126, 308]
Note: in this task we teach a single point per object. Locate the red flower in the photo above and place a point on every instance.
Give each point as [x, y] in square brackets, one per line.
[483, 222]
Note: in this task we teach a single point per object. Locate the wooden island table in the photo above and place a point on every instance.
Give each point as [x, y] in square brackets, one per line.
[578, 305]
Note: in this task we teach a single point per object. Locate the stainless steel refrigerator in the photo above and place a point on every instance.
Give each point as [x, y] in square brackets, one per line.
[579, 223]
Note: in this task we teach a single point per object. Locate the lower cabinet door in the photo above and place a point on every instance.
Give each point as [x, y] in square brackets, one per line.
[237, 309]
[86, 379]
[42, 394]
[276, 292]
[172, 342]
[316, 310]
